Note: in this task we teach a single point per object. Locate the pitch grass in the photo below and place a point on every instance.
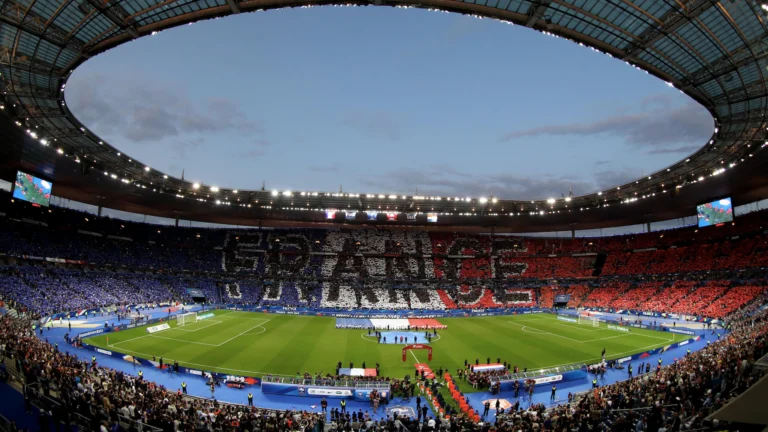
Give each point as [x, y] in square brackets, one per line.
[254, 344]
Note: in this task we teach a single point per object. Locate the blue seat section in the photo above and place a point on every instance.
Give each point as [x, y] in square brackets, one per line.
[363, 323]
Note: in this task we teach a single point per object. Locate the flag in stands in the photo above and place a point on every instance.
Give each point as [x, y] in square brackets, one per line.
[488, 367]
[357, 372]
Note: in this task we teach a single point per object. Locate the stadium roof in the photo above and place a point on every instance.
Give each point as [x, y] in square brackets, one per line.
[714, 51]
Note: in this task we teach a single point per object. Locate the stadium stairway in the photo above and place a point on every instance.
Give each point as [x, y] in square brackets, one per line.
[599, 263]
[13, 408]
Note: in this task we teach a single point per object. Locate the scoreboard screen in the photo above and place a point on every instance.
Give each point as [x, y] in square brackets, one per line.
[195, 293]
[562, 298]
[715, 212]
[30, 188]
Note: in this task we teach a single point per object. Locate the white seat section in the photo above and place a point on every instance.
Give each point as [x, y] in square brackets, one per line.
[346, 299]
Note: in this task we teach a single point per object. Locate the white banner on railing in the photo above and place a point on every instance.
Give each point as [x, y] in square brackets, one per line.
[618, 328]
[158, 328]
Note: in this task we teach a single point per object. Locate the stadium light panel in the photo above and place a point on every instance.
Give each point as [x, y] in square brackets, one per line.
[214, 189]
[551, 201]
[275, 193]
[483, 200]
[146, 168]
[196, 186]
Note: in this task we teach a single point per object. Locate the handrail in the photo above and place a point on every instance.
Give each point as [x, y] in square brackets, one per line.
[5, 424]
[47, 403]
[762, 363]
[537, 373]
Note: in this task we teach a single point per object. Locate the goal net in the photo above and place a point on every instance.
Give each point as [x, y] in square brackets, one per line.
[186, 318]
[589, 320]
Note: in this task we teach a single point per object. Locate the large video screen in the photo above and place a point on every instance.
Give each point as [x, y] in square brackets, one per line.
[30, 188]
[715, 212]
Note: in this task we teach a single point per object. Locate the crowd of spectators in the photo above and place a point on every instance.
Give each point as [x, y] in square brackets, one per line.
[635, 296]
[676, 396]
[104, 395]
[694, 302]
[605, 295]
[132, 263]
[51, 290]
[668, 296]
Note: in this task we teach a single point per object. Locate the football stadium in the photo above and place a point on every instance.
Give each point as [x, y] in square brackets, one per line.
[274, 309]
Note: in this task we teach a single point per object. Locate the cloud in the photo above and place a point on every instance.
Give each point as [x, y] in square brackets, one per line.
[323, 168]
[447, 181]
[376, 124]
[256, 150]
[145, 111]
[657, 126]
[181, 147]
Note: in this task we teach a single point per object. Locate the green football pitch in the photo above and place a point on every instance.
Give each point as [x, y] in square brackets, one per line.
[254, 344]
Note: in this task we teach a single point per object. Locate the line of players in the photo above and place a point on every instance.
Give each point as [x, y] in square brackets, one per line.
[403, 339]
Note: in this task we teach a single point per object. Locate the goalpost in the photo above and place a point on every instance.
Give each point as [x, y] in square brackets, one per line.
[186, 318]
[589, 320]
